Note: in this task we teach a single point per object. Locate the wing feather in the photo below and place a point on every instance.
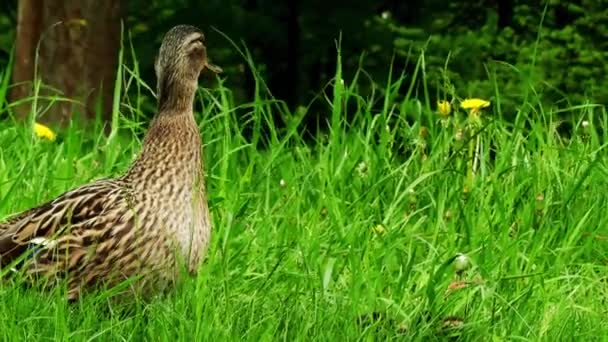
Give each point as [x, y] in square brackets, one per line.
[80, 208]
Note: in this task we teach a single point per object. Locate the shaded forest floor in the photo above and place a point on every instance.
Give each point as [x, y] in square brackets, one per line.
[358, 234]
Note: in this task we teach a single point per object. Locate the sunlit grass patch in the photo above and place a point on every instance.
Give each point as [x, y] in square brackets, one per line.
[364, 232]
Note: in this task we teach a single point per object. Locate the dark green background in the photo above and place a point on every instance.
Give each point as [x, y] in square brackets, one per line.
[486, 44]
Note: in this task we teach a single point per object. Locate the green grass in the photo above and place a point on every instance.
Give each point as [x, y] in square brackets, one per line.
[297, 251]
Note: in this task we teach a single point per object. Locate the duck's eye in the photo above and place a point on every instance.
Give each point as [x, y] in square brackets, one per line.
[196, 45]
[197, 42]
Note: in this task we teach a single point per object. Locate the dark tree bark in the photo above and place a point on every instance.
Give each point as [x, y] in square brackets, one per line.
[77, 57]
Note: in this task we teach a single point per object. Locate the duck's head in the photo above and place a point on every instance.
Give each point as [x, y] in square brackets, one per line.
[182, 56]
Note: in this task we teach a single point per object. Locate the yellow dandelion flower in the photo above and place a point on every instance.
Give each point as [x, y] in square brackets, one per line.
[44, 132]
[379, 229]
[444, 107]
[474, 105]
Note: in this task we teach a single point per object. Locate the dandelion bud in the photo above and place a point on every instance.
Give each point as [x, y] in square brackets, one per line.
[444, 108]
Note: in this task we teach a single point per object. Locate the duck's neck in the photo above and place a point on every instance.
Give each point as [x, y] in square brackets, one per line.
[172, 146]
[175, 94]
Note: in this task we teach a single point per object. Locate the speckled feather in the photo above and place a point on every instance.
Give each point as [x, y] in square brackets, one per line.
[143, 223]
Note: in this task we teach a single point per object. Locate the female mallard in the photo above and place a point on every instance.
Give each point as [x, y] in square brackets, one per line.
[143, 223]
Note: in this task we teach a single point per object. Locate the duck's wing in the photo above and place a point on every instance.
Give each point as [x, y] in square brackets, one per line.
[71, 212]
[10, 221]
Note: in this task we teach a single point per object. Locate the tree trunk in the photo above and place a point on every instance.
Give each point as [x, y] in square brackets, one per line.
[78, 42]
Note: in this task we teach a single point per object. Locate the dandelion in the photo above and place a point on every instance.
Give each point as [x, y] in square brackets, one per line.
[386, 15]
[474, 106]
[379, 229]
[540, 197]
[44, 132]
[282, 183]
[444, 108]
[461, 263]
[585, 124]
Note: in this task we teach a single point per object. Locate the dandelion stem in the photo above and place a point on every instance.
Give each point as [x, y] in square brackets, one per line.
[470, 165]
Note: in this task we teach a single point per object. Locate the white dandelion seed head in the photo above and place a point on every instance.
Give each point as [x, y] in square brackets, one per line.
[461, 263]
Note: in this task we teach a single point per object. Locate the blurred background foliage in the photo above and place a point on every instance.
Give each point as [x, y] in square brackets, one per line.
[558, 48]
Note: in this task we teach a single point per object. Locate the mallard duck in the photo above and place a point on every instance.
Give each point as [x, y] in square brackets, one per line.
[142, 224]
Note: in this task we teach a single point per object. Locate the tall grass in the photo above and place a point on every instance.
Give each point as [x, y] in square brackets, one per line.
[353, 236]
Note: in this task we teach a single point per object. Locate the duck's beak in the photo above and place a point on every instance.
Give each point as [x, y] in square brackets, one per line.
[216, 69]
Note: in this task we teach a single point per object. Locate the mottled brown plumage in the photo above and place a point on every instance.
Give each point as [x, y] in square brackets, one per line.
[142, 224]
